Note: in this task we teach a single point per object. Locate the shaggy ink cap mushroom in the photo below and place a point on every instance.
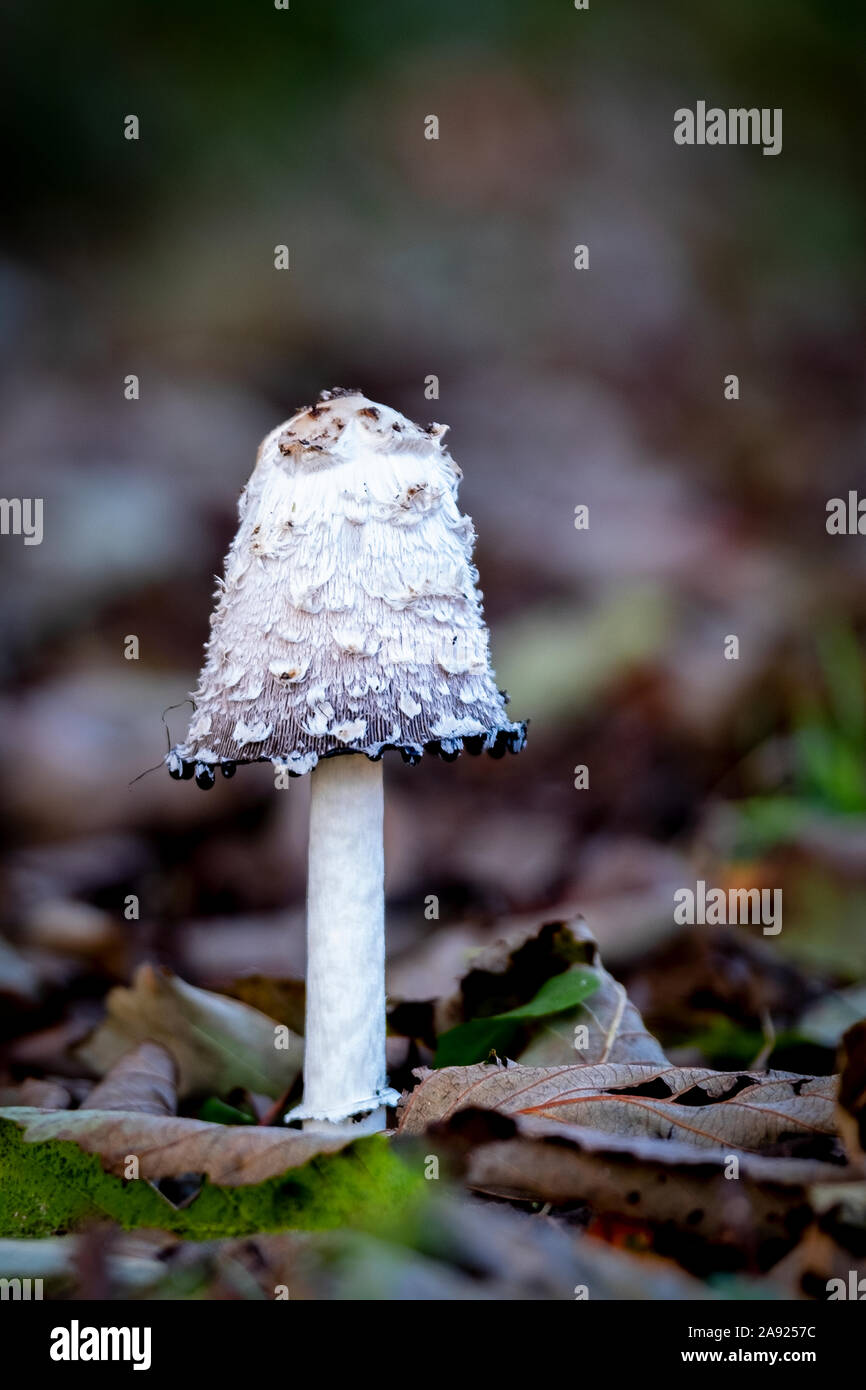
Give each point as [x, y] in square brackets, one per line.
[348, 618]
[348, 621]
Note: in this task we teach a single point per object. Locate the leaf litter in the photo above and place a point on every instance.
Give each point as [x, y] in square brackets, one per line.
[625, 1155]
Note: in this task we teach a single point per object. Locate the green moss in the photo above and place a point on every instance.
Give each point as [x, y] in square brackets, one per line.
[53, 1187]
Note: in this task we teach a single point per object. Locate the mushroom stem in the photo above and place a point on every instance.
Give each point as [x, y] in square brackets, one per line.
[344, 1057]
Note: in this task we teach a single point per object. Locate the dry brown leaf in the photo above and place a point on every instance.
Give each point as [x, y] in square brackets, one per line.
[459, 1250]
[666, 1183]
[832, 1248]
[712, 1110]
[167, 1145]
[721, 970]
[467, 1251]
[52, 1049]
[218, 1043]
[281, 999]
[851, 1114]
[143, 1080]
[45, 1094]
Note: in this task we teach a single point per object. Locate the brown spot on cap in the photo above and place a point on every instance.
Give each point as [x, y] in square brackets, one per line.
[370, 411]
[337, 391]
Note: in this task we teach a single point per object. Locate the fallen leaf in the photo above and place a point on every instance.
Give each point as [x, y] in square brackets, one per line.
[167, 1146]
[280, 999]
[217, 1042]
[833, 1246]
[456, 1249]
[74, 927]
[44, 1094]
[460, 1250]
[711, 1110]
[51, 1049]
[220, 1113]
[699, 978]
[142, 1080]
[607, 1026]
[851, 1113]
[63, 1170]
[51, 1259]
[827, 1019]
[685, 1194]
[509, 974]
[470, 1042]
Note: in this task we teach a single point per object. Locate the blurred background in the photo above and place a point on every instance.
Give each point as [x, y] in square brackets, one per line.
[453, 258]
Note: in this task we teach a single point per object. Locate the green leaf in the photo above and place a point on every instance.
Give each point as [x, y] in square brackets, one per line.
[471, 1042]
[832, 768]
[561, 992]
[842, 665]
[764, 822]
[218, 1112]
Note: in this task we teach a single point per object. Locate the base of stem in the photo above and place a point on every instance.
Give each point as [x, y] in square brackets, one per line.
[356, 1119]
[350, 1116]
[374, 1122]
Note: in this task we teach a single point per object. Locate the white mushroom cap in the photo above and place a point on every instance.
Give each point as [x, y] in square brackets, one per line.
[348, 618]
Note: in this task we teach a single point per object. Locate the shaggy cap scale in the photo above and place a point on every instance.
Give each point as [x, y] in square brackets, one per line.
[348, 619]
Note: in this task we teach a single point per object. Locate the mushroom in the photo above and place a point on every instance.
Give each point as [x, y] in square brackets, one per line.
[347, 623]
